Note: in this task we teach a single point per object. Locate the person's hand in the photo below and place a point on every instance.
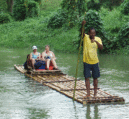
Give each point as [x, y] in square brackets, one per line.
[83, 22]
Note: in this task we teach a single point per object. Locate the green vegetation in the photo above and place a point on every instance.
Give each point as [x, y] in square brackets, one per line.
[58, 19]
[3, 5]
[35, 32]
[33, 9]
[4, 18]
[23, 9]
[123, 36]
[19, 11]
[93, 5]
[57, 23]
[125, 7]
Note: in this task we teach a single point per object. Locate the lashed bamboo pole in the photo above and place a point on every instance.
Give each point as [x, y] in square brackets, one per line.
[78, 59]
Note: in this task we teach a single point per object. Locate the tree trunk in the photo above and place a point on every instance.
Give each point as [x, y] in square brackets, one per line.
[10, 5]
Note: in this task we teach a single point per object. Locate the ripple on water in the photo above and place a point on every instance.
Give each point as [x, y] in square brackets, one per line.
[23, 98]
[65, 69]
[113, 72]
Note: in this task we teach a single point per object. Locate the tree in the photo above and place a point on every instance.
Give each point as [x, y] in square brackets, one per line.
[81, 6]
[3, 6]
[19, 10]
[9, 5]
[93, 5]
[74, 9]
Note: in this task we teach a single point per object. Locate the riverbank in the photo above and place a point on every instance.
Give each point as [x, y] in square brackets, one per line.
[34, 31]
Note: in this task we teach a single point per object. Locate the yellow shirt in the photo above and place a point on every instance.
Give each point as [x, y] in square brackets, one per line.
[90, 50]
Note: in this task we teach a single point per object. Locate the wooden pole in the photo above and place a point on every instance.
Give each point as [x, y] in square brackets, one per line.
[82, 32]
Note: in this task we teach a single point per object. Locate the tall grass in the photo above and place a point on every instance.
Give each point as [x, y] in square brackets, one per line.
[34, 31]
[48, 6]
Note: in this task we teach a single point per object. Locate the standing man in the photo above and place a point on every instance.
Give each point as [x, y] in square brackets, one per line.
[90, 59]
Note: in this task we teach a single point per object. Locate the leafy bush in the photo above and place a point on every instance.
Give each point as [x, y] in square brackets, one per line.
[112, 21]
[93, 5]
[33, 9]
[58, 19]
[123, 36]
[4, 18]
[93, 21]
[125, 7]
[110, 3]
[19, 11]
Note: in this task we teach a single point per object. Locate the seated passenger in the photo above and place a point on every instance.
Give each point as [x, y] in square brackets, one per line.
[48, 56]
[34, 56]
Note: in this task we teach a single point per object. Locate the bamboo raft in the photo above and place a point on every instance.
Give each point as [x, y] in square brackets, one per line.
[64, 84]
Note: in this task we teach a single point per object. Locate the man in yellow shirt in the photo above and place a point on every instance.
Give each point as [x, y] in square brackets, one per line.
[90, 59]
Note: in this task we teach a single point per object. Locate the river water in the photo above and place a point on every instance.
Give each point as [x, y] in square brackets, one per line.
[24, 98]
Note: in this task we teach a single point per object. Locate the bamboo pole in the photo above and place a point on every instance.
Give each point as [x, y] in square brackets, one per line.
[78, 59]
[76, 89]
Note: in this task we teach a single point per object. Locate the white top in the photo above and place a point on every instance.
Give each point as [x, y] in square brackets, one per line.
[50, 54]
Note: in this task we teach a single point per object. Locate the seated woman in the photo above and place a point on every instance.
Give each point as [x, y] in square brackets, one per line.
[34, 56]
[48, 56]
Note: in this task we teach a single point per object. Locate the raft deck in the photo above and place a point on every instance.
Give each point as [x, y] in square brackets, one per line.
[64, 84]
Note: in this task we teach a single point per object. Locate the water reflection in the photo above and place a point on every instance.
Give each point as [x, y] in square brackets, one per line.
[35, 113]
[92, 111]
[96, 112]
[74, 105]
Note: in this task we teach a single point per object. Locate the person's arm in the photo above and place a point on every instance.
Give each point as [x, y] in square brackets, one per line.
[100, 46]
[30, 56]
